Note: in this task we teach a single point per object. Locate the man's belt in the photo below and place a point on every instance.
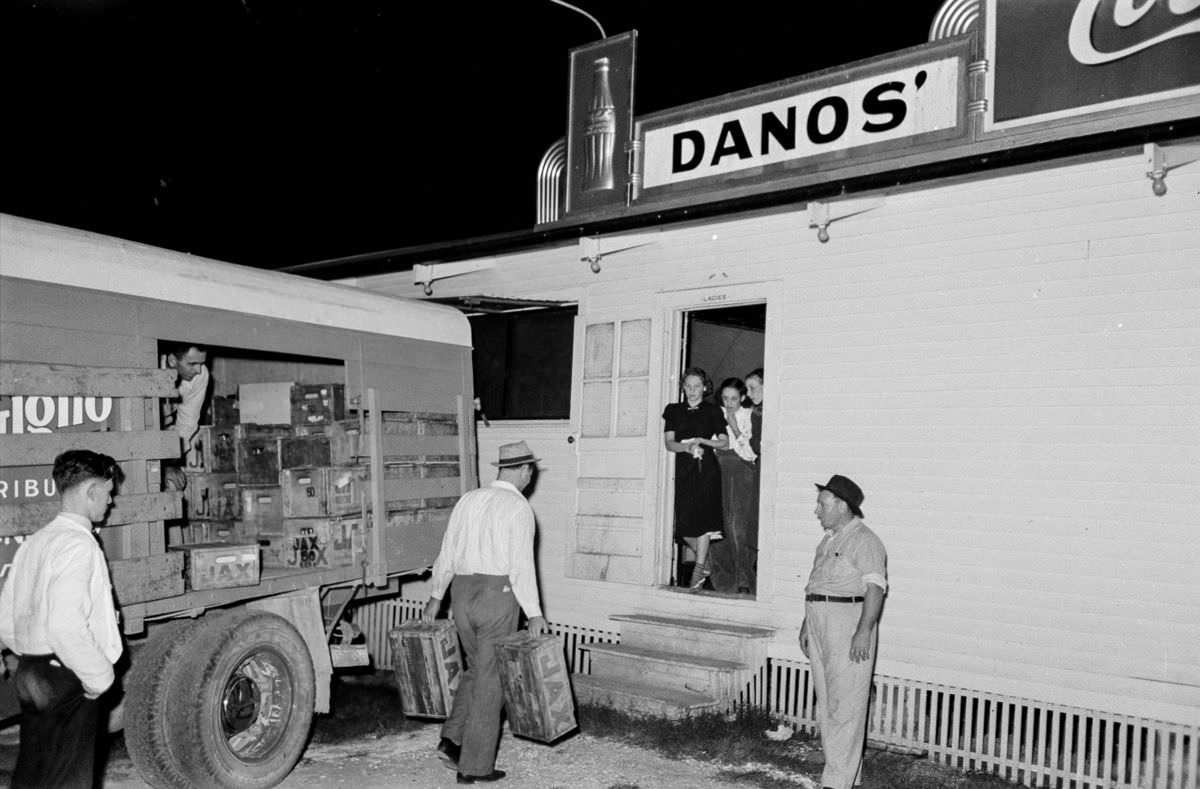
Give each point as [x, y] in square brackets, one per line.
[825, 598]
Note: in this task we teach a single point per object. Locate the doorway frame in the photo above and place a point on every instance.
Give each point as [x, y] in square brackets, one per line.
[670, 308]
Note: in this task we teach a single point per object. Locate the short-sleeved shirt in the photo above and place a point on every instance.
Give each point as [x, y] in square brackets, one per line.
[847, 560]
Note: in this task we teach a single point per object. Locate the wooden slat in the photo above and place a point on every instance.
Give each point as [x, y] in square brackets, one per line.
[433, 488]
[403, 446]
[26, 517]
[42, 448]
[20, 378]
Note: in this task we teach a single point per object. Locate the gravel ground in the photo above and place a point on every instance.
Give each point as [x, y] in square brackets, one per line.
[408, 759]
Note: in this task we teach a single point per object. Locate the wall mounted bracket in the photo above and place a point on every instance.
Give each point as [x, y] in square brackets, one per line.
[1161, 159]
[821, 215]
[428, 273]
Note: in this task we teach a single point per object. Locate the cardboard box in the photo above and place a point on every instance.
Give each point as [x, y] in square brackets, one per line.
[304, 450]
[265, 404]
[262, 508]
[318, 404]
[317, 543]
[211, 496]
[219, 565]
[537, 686]
[258, 453]
[427, 666]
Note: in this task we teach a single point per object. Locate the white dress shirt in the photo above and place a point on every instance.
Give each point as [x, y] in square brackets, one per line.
[491, 533]
[741, 444]
[58, 598]
[191, 403]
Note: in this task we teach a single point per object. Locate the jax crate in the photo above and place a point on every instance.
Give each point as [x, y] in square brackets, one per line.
[262, 508]
[318, 404]
[312, 543]
[305, 493]
[308, 449]
[537, 686]
[427, 665]
[212, 496]
[219, 565]
[214, 449]
[258, 453]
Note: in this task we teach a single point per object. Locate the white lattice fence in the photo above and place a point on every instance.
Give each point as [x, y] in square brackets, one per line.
[1028, 742]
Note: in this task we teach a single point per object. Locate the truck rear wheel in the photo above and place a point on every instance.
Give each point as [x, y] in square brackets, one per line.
[248, 715]
[152, 686]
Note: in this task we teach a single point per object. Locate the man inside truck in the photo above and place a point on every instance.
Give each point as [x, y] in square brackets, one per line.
[189, 361]
[57, 613]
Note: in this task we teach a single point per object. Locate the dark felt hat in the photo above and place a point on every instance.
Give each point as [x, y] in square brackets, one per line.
[845, 489]
[515, 454]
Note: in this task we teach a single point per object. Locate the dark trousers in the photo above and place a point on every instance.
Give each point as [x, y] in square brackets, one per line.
[58, 727]
[734, 559]
[485, 611]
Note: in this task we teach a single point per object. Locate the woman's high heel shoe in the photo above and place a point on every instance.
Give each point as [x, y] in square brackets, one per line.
[700, 574]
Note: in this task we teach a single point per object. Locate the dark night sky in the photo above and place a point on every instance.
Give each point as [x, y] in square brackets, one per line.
[275, 132]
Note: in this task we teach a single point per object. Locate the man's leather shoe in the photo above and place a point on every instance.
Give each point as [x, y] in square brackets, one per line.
[494, 775]
[448, 751]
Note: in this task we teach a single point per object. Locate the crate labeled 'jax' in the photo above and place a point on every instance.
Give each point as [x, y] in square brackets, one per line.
[220, 565]
[212, 496]
[537, 686]
[427, 666]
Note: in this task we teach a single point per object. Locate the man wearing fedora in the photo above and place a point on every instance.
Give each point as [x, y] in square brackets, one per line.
[487, 559]
[842, 603]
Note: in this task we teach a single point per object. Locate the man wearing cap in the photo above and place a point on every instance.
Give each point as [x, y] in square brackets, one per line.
[842, 603]
[487, 557]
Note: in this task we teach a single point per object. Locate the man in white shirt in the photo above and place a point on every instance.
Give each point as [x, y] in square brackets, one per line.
[487, 554]
[57, 614]
[190, 362]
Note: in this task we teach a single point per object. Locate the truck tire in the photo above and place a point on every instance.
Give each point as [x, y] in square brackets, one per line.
[152, 686]
[250, 706]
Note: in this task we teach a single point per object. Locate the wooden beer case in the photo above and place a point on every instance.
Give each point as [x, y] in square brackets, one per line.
[219, 565]
[537, 686]
[427, 666]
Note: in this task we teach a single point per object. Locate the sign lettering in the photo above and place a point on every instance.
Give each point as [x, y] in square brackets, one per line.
[41, 414]
[900, 103]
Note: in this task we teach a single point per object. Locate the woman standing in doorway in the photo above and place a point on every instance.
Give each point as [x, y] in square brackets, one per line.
[734, 559]
[693, 429]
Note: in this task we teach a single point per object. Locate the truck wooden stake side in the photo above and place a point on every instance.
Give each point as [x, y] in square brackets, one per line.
[225, 670]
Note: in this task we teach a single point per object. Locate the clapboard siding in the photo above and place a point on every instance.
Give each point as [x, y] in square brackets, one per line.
[1009, 365]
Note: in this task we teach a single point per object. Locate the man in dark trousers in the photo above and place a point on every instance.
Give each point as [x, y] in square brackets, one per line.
[57, 614]
[842, 603]
[487, 557]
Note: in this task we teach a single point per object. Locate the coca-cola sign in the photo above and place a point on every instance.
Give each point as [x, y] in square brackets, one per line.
[600, 122]
[1064, 58]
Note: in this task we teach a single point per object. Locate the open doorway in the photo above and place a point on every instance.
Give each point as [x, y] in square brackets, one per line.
[727, 343]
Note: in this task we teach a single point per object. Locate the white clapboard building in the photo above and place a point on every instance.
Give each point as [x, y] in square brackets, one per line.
[974, 287]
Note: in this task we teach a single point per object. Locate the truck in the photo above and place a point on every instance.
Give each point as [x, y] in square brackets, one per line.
[225, 669]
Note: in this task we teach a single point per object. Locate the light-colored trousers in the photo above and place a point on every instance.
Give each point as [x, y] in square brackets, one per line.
[843, 689]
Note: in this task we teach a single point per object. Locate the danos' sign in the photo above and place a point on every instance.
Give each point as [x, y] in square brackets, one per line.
[896, 104]
[41, 414]
[1053, 60]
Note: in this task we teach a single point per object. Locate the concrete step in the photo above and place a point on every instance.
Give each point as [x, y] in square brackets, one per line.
[705, 637]
[715, 677]
[636, 698]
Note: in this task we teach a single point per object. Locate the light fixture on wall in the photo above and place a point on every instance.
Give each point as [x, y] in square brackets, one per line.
[821, 215]
[428, 273]
[589, 251]
[1161, 159]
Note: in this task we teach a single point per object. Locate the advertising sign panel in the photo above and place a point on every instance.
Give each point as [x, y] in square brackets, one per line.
[600, 122]
[807, 119]
[1060, 59]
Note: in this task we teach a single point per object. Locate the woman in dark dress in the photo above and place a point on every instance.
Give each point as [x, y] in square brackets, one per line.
[693, 429]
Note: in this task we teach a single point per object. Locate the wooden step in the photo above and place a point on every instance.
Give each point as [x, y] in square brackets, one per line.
[705, 637]
[715, 677]
[641, 699]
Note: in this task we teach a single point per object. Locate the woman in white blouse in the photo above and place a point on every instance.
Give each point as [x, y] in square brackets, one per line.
[734, 560]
